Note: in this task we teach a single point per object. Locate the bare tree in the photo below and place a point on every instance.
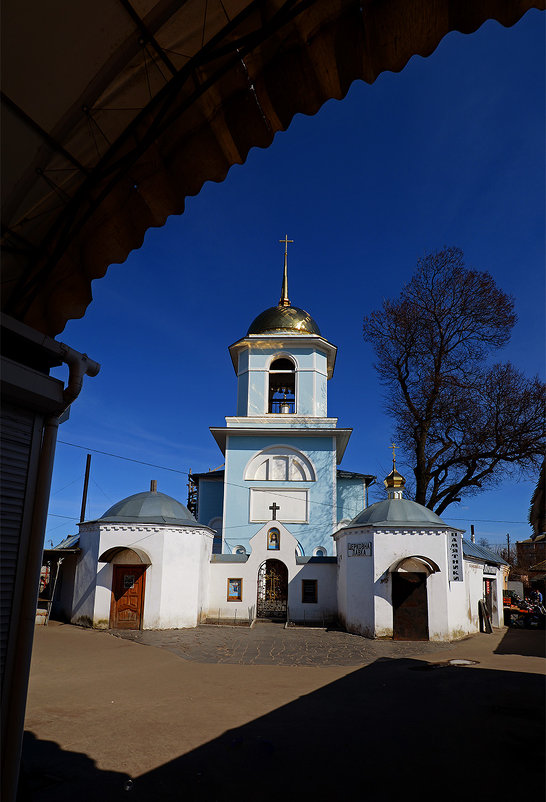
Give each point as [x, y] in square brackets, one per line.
[464, 423]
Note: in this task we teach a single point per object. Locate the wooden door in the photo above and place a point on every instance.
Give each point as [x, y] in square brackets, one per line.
[127, 596]
[410, 608]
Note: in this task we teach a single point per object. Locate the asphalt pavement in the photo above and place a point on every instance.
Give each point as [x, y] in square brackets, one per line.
[267, 713]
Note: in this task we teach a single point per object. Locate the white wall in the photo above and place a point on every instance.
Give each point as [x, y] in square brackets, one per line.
[176, 580]
[355, 586]
[83, 605]
[220, 572]
[474, 576]
[365, 582]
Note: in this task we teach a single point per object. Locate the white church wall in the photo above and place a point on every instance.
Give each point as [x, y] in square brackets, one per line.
[459, 620]
[355, 587]
[324, 610]
[176, 581]
[186, 554]
[217, 607]
[146, 538]
[83, 603]
[221, 570]
[393, 545]
[366, 557]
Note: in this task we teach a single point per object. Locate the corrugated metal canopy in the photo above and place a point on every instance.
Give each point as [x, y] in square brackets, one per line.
[115, 111]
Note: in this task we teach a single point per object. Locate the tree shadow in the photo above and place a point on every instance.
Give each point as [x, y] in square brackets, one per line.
[526, 642]
[384, 731]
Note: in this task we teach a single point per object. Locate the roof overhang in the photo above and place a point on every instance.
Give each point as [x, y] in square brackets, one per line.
[114, 113]
[284, 341]
[221, 433]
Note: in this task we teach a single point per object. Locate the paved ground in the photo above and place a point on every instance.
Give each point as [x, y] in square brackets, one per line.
[268, 713]
[273, 644]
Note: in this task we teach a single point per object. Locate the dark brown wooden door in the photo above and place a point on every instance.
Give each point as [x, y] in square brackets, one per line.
[127, 596]
[410, 610]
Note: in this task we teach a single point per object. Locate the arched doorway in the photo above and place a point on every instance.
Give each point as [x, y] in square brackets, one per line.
[272, 599]
[128, 586]
[410, 599]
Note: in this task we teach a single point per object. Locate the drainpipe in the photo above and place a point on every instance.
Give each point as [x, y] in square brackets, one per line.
[79, 366]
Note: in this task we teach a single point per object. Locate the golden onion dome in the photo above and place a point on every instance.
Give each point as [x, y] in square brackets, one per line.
[394, 480]
[284, 318]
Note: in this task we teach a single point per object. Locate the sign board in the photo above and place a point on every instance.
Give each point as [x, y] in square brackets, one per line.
[490, 569]
[455, 556]
[359, 549]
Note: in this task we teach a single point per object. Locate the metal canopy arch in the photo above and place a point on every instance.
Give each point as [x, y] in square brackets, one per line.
[113, 111]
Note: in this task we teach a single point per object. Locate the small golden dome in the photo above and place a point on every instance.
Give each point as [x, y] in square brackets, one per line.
[394, 479]
[284, 318]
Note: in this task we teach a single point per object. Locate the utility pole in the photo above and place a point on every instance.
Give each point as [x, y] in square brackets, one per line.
[85, 486]
[472, 536]
[508, 546]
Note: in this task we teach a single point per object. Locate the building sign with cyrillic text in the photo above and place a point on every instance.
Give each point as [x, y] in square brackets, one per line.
[359, 549]
[455, 556]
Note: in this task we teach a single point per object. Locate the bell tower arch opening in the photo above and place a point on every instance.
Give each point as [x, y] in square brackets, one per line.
[282, 386]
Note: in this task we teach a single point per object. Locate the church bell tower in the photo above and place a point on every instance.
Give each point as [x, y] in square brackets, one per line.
[281, 448]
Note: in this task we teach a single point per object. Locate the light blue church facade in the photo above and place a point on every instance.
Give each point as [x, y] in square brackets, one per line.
[281, 448]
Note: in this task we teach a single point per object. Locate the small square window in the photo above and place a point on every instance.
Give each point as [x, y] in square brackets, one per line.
[309, 591]
[235, 589]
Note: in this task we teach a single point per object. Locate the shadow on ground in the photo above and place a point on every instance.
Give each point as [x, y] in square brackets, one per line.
[384, 732]
[526, 642]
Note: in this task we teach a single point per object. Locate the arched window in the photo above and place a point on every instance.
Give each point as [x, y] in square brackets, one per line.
[280, 463]
[282, 386]
[273, 539]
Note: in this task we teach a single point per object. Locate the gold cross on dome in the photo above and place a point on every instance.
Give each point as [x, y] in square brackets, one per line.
[394, 447]
[286, 241]
[284, 301]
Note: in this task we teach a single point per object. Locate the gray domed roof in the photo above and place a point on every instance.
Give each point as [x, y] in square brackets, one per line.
[396, 511]
[149, 508]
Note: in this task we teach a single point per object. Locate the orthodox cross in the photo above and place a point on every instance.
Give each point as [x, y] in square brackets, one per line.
[394, 447]
[274, 507]
[284, 292]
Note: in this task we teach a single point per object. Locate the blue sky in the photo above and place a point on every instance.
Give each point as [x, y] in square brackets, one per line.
[448, 152]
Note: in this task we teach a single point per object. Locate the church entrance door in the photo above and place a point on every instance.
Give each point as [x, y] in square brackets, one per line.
[410, 608]
[127, 596]
[272, 590]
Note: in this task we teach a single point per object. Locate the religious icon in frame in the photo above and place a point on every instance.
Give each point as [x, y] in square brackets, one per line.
[273, 539]
[234, 589]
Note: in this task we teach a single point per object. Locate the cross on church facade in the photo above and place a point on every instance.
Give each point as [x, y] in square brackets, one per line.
[274, 508]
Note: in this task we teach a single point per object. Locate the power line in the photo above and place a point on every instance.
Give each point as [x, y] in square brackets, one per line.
[119, 456]
[233, 484]
[56, 515]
